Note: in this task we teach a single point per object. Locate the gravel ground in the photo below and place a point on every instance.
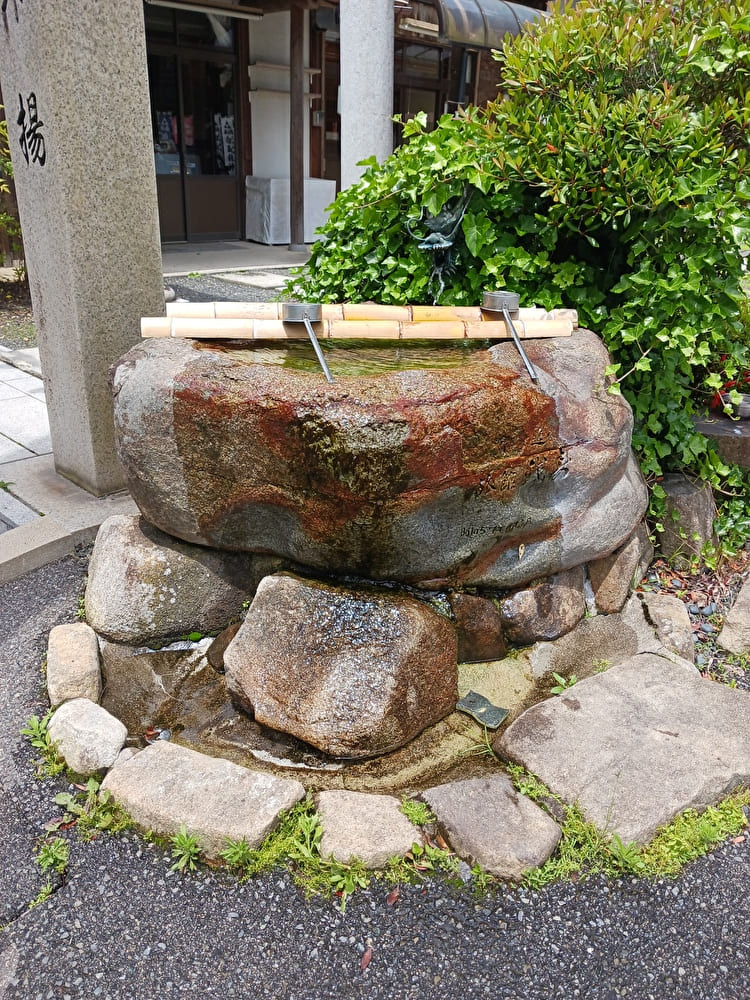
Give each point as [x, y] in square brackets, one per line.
[122, 925]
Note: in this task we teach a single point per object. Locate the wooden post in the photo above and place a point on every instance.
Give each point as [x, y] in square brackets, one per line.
[297, 127]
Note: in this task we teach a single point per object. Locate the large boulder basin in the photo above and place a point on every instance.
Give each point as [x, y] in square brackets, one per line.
[470, 474]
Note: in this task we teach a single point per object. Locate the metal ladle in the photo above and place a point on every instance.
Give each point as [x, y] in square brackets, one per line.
[507, 303]
[307, 313]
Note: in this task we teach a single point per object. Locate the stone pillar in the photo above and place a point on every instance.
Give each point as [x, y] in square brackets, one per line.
[75, 83]
[366, 83]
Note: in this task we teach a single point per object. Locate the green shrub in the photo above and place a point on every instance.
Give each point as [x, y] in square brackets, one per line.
[610, 176]
[10, 226]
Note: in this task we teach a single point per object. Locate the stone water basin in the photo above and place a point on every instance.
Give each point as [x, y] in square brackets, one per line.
[464, 473]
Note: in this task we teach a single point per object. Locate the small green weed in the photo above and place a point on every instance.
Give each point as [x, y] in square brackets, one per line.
[585, 850]
[601, 665]
[5, 485]
[238, 856]
[81, 609]
[563, 683]
[53, 855]
[186, 850]
[418, 813]
[35, 731]
[44, 894]
[528, 784]
[91, 810]
[50, 763]
[483, 748]
[693, 834]
[423, 859]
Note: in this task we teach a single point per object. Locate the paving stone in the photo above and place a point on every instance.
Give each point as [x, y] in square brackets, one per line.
[166, 786]
[637, 744]
[13, 512]
[369, 827]
[670, 618]
[73, 664]
[487, 822]
[735, 634]
[613, 577]
[87, 736]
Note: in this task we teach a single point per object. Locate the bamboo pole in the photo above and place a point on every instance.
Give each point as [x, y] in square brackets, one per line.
[233, 328]
[359, 311]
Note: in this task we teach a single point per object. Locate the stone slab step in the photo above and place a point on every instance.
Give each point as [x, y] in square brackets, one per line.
[487, 822]
[369, 827]
[637, 744]
[166, 786]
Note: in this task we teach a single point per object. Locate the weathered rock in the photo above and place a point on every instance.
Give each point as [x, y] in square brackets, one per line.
[166, 786]
[489, 823]
[613, 577]
[454, 476]
[598, 643]
[73, 664]
[87, 737]
[689, 517]
[125, 754]
[636, 745]
[353, 672]
[145, 585]
[735, 633]
[215, 652]
[146, 687]
[671, 620]
[546, 609]
[479, 628]
[369, 827]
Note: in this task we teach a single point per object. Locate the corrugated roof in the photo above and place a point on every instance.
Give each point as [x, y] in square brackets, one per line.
[482, 23]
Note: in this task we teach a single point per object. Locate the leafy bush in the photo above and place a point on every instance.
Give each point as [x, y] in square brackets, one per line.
[10, 226]
[610, 176]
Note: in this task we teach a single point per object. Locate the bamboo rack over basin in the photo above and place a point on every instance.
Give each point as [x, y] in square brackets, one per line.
[365, 321]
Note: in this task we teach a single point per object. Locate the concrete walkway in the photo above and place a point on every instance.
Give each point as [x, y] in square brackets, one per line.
[43, 516]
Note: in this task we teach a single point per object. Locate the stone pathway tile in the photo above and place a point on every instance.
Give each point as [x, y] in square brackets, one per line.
[259, 279]
[637, 744]
[24, 421]
[369, 827]
[166, 786]
[487, 822]
[12, 511]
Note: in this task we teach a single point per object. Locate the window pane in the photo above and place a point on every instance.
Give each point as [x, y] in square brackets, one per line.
[209, 124]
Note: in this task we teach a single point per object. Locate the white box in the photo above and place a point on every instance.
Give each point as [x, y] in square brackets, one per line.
[267, 208]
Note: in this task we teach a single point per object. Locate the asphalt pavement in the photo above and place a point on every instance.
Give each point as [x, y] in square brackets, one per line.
[120, 925]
